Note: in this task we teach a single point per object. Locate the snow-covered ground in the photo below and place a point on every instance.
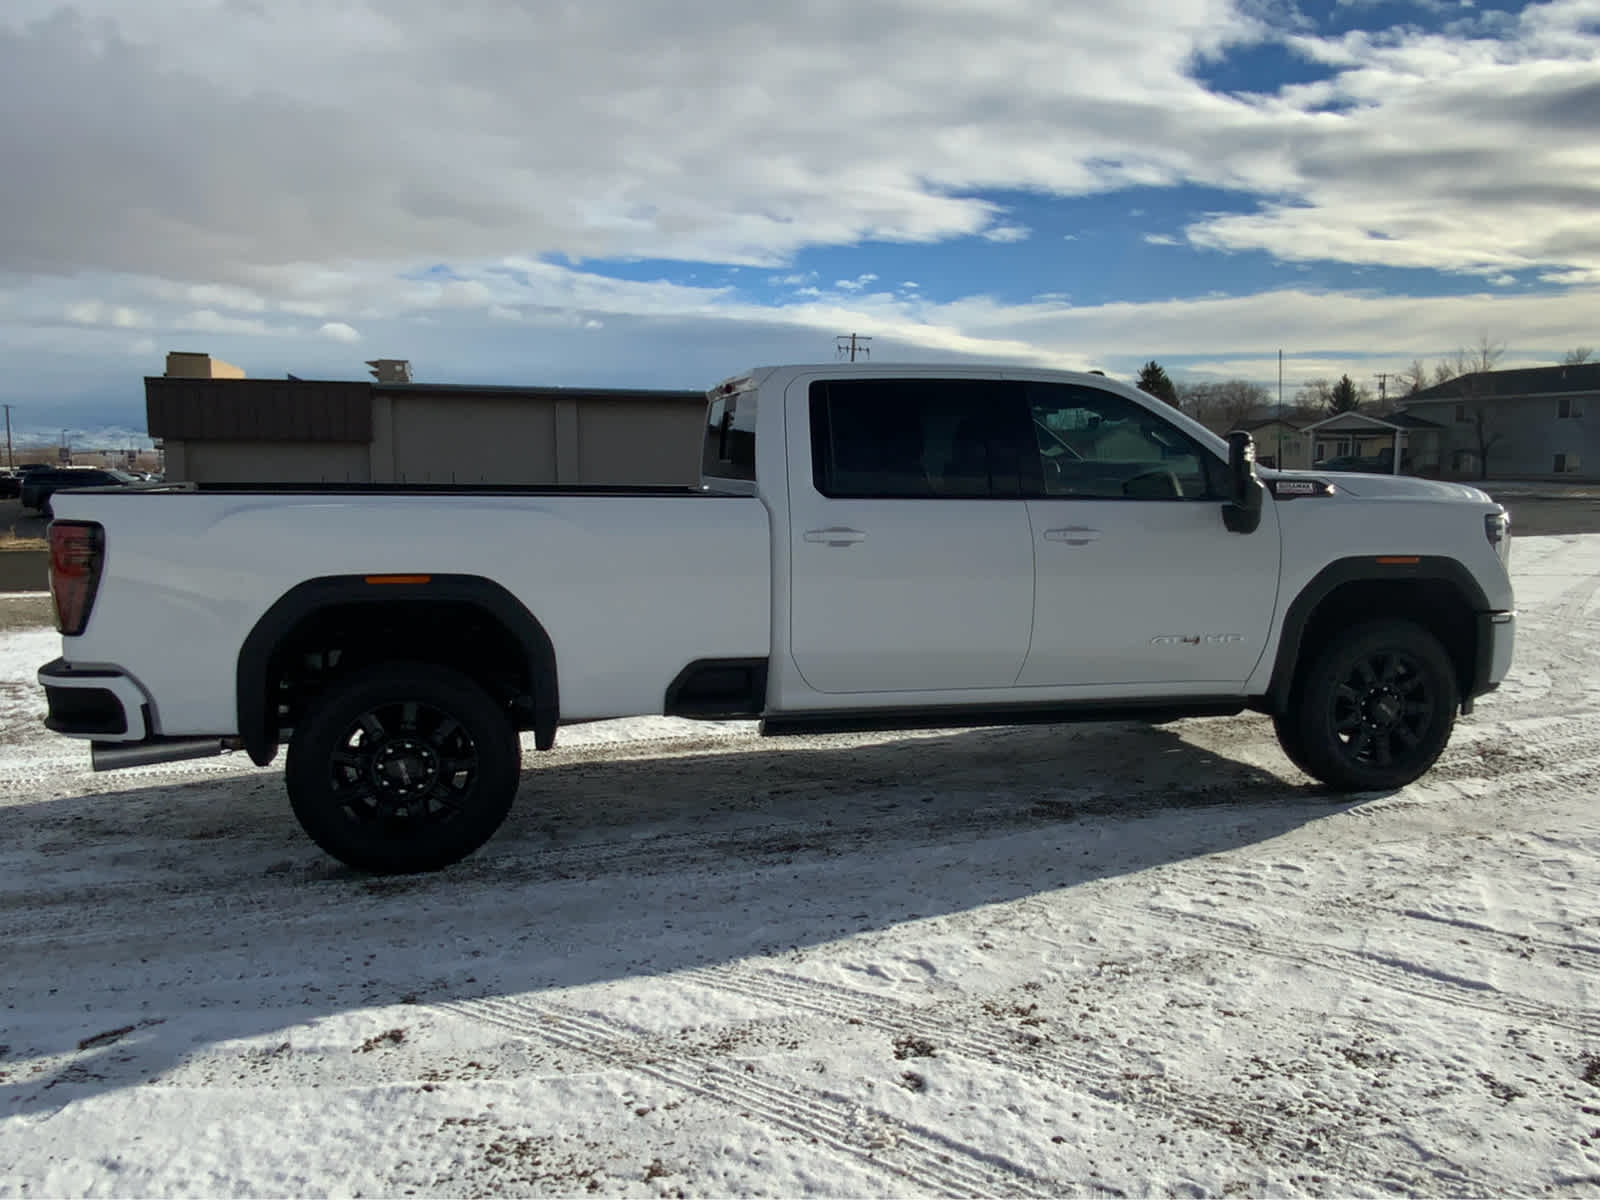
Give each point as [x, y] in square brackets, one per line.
[1037, 961]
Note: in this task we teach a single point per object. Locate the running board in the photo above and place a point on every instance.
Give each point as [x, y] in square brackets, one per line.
[112, 756]
[888, 719]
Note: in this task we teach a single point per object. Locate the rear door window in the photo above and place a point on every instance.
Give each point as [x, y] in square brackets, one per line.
[918, 438]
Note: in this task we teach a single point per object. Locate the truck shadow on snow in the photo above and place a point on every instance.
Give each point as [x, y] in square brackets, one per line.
[193, 913]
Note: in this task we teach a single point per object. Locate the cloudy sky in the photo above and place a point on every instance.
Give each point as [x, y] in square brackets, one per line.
[637, 193]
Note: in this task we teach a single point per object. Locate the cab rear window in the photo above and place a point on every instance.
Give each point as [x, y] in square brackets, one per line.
[730, 440]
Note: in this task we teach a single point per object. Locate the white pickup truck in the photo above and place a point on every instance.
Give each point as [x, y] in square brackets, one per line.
[871, 547]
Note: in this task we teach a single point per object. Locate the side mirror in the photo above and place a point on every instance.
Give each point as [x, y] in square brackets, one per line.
[1242, 512]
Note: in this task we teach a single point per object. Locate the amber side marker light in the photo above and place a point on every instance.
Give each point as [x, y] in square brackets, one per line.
[380, 579]
[1399, 560]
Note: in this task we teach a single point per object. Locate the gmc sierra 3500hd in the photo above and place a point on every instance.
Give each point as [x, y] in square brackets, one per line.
[871, 547]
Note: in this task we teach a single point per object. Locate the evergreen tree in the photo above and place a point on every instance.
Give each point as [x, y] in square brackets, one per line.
[1153, 379]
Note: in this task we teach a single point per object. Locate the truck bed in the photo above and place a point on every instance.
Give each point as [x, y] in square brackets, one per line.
[403, 489]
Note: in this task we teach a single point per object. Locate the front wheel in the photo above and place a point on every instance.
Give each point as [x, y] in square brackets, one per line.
[1375, 709]
[403, 767]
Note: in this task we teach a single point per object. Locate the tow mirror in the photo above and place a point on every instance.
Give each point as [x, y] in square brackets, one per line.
[1242, 512]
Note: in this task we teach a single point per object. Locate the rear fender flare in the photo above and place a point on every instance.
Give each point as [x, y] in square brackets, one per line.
[257, 721]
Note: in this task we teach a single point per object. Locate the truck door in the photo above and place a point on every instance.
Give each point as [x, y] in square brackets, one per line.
[1137, 580]
[911, 559]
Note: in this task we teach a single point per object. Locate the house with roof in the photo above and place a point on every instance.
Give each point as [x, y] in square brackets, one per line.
[1279, 439]
[1528, 423]
[1414, 440]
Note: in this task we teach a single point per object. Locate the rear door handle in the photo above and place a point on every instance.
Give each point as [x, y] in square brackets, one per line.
[835, 536]
[1073, 535]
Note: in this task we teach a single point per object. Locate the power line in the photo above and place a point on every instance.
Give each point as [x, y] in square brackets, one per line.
[849, 344]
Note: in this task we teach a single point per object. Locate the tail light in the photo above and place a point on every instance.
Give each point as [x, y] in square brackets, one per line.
[77, 549]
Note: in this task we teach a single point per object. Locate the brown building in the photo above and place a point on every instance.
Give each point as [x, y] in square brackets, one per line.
[217, 429]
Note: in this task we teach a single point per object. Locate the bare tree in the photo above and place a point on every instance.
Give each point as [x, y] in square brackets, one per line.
[1577, 357]
[1443, 372]
[1222, 406]
[1314, 396]
[1472, 369]
[1413, 378]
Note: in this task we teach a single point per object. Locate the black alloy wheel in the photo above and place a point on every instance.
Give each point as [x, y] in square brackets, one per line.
[1376, 709]
[404, 767]
[1383, 707]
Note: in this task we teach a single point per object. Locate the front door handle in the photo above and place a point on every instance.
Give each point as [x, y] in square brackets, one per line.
[835, 536]
[1072, 535]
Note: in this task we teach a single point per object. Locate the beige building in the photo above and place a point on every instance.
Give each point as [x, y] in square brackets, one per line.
[227, 429]
[187, 364]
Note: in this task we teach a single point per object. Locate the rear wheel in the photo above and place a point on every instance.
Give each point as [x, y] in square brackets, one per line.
[1375, 709]
[403, 767]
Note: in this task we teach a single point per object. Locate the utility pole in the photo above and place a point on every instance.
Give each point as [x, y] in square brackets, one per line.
[849, 344]
[1383, 387]
[10, 461]
[1278, 461]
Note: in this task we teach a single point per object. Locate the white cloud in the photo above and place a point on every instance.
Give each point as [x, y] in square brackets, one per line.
[1463, 152]
[859, 283]
[219, 296]
[1007, 233]
[292, 110]
[208, 320]
[338, 331]
[1161, 239]
[463, 293]
[95, 312]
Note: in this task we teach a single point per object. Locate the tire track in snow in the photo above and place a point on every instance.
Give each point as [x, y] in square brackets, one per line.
[1482, 932]
[965, 1027]
[920, 1156]
[1381, 970]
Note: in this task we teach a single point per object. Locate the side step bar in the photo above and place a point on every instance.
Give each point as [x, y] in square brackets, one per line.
[111, 756]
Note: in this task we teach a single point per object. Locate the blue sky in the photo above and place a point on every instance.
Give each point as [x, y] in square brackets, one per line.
[516, 191]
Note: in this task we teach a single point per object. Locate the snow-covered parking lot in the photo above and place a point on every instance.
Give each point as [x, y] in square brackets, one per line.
[1013, 962]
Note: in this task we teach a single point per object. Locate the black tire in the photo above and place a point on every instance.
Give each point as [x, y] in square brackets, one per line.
[1375, 709]
[1284, 725]
[403, 767]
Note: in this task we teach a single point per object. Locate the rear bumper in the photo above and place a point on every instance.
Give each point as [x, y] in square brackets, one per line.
[103, 703]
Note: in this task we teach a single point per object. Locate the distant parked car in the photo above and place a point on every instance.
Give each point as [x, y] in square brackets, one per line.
[10, 484]
[38, 486]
